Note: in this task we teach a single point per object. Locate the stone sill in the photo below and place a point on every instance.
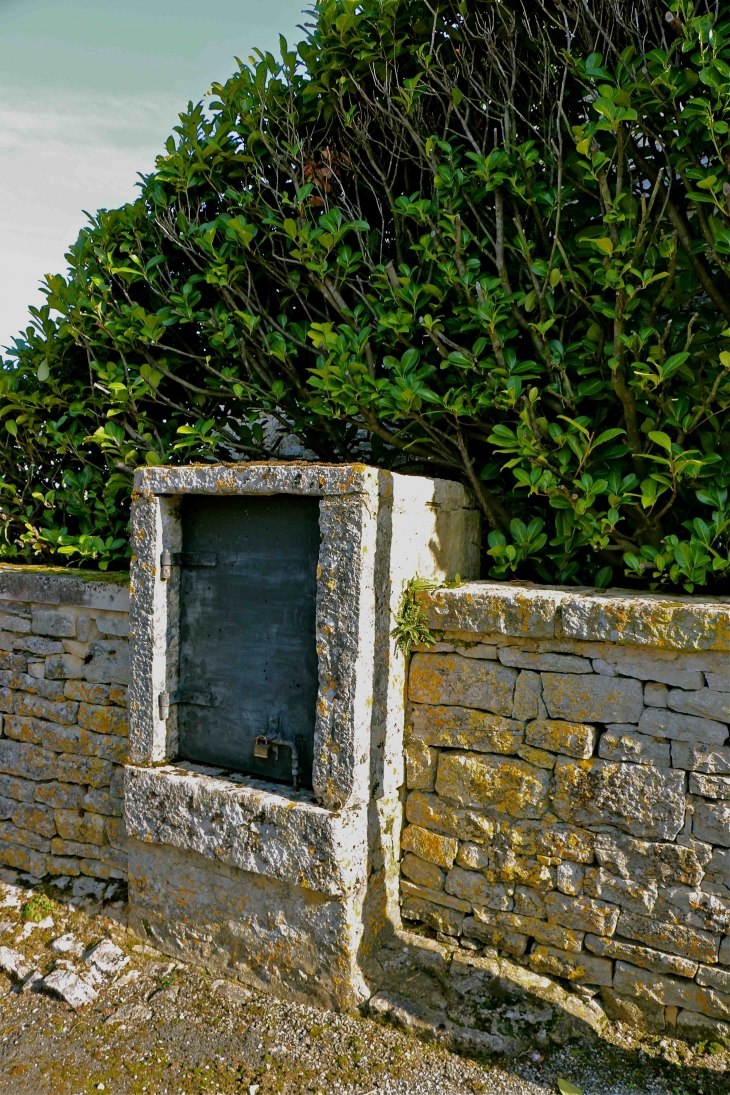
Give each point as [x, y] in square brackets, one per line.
[265, 828]
[517, 609]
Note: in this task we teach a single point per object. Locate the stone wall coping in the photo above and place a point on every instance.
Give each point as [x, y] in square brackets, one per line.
[672, 621]
[53, 586]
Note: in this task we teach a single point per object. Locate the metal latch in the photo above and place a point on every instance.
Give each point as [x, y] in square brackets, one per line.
[184, 695]
[263, 746]
[170, 559]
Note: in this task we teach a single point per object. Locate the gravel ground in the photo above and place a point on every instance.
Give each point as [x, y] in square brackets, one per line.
[161, 1028]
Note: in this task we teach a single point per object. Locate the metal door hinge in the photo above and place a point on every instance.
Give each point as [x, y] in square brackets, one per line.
[170, 559]
[184, 695]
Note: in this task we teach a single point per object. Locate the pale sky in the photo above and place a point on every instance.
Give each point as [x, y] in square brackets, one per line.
[89, 91]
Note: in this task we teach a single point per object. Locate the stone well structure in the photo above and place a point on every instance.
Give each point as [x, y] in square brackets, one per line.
[290, 889]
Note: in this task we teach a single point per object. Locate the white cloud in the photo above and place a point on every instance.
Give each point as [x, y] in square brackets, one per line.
[61, 154]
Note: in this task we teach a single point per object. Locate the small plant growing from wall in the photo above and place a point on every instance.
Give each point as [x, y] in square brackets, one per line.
[489, 242]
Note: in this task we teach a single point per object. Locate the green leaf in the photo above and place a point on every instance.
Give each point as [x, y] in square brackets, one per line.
[605, 245]
[661, 439]
[565, 1087]
[607, 435]
[43, 371]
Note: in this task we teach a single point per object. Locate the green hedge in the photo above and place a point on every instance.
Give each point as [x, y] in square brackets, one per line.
[485, 241]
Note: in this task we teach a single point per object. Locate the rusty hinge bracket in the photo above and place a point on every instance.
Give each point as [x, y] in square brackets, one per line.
[170, 559]
[184, 695]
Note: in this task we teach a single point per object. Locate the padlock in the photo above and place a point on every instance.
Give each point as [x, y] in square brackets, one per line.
[261, 747]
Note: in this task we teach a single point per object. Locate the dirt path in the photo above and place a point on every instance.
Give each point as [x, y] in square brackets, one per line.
[157, 1027]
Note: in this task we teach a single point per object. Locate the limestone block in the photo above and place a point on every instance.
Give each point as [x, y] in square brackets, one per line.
[422, 873]
[20, 789]
[13, 834]
[34, 644]
[530, 903]
[433, 847]
[118, 695]
[547, 663]
[642, 860]
[13, 661]
[719, 866]
[479, 650]
[512, 942]
[540, 758]
[74, 768]
[713, 978]
[493, 608]
[706, 703]
[63, 712]
[645, 801]
[443, 919]
[108, 661]
[59, 623]
[719, 681]
[520, 837]
[86, 692]
[114, 857]
[474, 857]
[14, 623]
[432, 812]
[88, 829]
[26, 761]
[116, 625]
[646, 666]
[522, 870]
[694, 1027]
[450, 679]
[709, 786]
[647, 619]
[655, 695]
[527, 702]
[74, 739]
[501, 783]
[583, 968]
[711, 822]
[566, 842]
[116, 831]
[439, 897]
[462, 728]
[116, 786]
[63, 865]
[575, 739]
[474, 888]
[77, 848]
[86, 628]
[20, 728]
[724, 956]
[60, 667]
[24, 859]
[553, 935]
[672, 724]
[581, 913]
[104, 720]
[61, 796]
[6, 699]
[628, 745]
[670, 991]
[37, 669]
[700, 946]
[569, 877]
[101, 802]
[700, 758]
[31, 815]
[645, 957]
[594, 698]
[421, 763]
[640, 1014]
[97, 868]
[639, 897]
[695, 908]
[26, 682]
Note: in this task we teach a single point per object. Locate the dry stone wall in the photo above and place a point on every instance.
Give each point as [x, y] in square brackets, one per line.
[568, 794]
[64, 668]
